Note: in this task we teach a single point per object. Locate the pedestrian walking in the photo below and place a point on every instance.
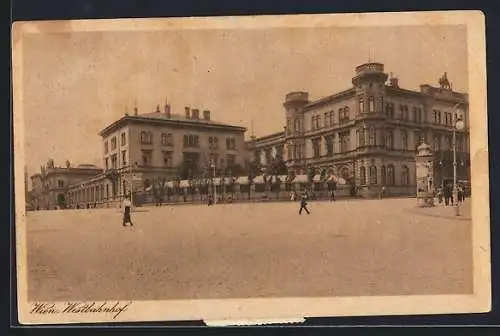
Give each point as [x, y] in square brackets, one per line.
[293, 196]
[210, 200]
[303, 204]
[127, 206]
[382, 192]
[332, 195]
[440, 195]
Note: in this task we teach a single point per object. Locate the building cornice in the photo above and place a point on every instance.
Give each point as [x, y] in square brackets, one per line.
[126, 120]
[331, 98]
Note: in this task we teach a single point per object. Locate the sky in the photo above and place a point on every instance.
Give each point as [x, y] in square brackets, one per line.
[75, 84]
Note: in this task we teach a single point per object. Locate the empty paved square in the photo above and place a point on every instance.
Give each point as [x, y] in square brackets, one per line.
[369, 247]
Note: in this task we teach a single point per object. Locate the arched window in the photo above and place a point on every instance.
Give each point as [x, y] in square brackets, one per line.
[405, 176]
[383, 175]
[361, 105]
[346, 113]
[390, 175]
[373, 175]
[362, 175]
[344, 172]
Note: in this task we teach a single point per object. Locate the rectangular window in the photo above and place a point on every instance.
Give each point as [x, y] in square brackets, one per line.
[327, 119]
[344, 141]
[124, 158]
[329, 145]
[123, 139]
[113, 143]
[389, 140]
[316, 148]
[60, 183]
[167, 158]
[230, 143]
[106, 163]
[404, 140]
[213, 142]
[437, 143]
[146, 157]
[106, 147]
[114, 161]
[230, 160]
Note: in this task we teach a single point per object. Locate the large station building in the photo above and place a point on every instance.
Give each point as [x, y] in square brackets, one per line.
[139, 150]
[369, 132]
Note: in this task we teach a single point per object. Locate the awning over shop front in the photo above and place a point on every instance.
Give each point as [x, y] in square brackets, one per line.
[184, 184]
[258, 179]
[242, 180]
[228, 180]
[317, 178]
[300, 179]
[169, 184]
[217, 181]
[337, 179]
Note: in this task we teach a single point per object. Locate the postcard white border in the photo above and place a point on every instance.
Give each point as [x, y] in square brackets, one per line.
[283, 308]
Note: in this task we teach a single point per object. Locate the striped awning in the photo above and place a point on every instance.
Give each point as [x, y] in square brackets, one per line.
[228, 180]
[300, 179]
[184, 184]
[242, 180]
[258, 179]
[169, 184]
[337, 179]
[317, 178]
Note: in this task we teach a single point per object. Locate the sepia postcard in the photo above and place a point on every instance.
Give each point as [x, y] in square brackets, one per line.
[249, 170]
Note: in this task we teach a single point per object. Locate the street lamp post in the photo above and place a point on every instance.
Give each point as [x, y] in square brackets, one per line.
[457, 126]
[212, 165]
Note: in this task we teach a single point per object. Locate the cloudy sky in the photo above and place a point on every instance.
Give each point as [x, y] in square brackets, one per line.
[77, 83]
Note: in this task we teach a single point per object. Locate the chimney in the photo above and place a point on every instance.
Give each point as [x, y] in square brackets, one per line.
[186, 111]
[195, 114]
[157, 108]
[136, 111]
[167, 110]
[394, 82]
[206, 115]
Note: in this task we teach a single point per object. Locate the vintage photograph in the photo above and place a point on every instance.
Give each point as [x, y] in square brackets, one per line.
[251, 167]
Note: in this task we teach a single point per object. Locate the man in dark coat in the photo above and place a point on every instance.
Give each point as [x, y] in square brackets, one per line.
[303, 204]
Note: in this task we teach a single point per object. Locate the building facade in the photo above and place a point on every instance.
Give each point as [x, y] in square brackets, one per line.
[368, 133]
[141, 150]
[50, 187]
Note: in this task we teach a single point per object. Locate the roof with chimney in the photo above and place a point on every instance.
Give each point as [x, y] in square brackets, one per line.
[162, 118]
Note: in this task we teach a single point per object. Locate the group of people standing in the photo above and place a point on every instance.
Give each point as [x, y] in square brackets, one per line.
[446, 193]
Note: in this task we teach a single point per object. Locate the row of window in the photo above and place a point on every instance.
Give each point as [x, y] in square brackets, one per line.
[448, 117]
[268, 154]
[123, 142]
[146, 159]
[387, 175]
[167, 140]
[329, 117]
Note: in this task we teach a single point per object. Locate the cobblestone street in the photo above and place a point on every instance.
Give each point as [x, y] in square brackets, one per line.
[359, 247]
